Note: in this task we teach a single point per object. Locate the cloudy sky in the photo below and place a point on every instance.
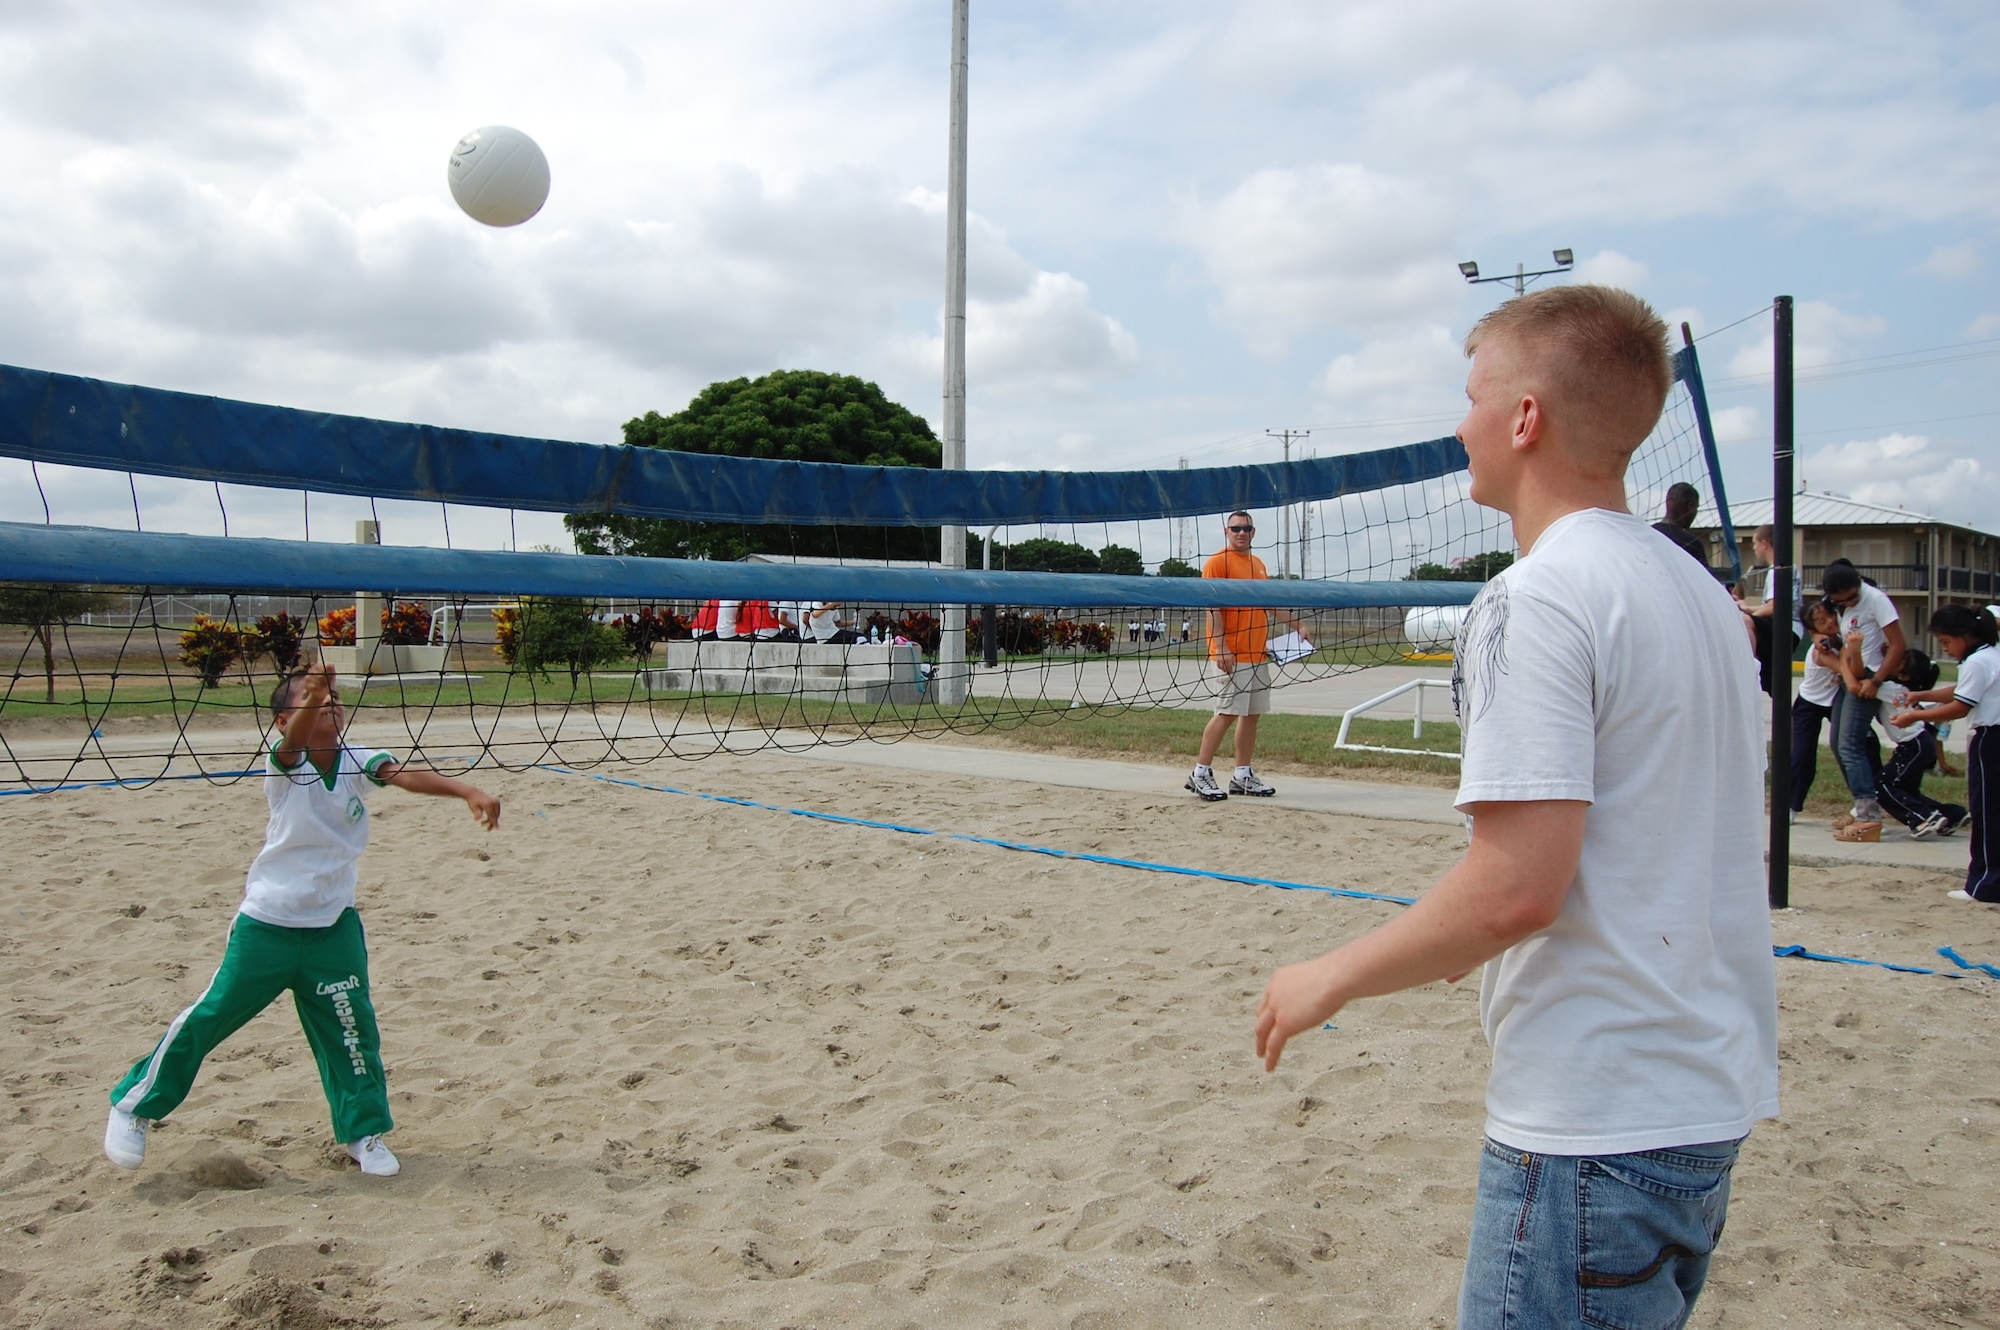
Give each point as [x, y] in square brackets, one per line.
[1192, 222]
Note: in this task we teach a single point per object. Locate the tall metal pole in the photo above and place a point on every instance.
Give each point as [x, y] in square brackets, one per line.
[949, 686]
[1783, 573]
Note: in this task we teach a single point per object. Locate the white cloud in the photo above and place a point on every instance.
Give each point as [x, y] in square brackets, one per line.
[1986, 325]
[1739, 424]
[1610, 268]
[1821, 334]
[1422, 371]
[1951, 263]
[1329, 246]
[1906, 471]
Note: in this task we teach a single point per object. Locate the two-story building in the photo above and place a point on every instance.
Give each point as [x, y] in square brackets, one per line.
[1921, 561]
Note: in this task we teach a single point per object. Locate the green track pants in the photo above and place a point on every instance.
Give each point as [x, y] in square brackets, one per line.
[326, 970]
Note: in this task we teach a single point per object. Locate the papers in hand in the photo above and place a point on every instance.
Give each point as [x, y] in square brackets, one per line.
[1284, 650]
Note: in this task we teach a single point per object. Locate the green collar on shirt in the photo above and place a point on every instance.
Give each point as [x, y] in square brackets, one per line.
[326, 775]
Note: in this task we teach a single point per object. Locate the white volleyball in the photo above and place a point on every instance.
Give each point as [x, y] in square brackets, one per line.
[499, 176]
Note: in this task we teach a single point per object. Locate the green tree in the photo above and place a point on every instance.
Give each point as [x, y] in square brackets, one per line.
[1178, 568]
[1120, 562]
[1042, 555]
[788, 415]
[561, 632]
[43, 611]
[1473, 568]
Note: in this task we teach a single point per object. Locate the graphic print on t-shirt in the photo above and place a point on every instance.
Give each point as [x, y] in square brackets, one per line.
[1481, 651]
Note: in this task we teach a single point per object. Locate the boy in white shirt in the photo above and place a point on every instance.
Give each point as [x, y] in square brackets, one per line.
[297, 929]
[1613, 885]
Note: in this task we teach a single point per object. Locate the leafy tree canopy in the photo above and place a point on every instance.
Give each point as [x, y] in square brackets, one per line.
[1042, 555]
[1120, 562]
[788, 415]
[1474, 568]
[1178, 568]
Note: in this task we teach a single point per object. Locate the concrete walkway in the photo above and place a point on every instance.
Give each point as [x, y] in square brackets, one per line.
[1812, 842]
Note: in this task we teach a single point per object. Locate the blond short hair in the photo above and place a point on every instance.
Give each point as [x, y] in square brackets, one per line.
[1600, 352]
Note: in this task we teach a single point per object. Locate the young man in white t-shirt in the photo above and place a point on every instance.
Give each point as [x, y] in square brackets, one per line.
[297, 929]
[1613, 884]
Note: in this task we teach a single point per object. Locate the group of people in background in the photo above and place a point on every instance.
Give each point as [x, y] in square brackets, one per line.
[816, 621]
[1860, 673]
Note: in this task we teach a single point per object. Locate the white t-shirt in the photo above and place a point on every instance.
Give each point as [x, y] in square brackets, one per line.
[1893, 696]
[1605, 666]
[1978, 686]
[305, 874]
[1821, 683]
[1798, 601]
[725, 617]
[1867, 616]
[822, 622]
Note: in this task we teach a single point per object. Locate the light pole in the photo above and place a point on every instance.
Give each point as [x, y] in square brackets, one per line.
[1285, 509]
[1520, 277]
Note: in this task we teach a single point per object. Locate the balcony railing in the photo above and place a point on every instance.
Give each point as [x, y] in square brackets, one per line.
[1894, 577]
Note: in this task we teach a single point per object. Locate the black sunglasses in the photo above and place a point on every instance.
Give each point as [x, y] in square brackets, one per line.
[1239, 530]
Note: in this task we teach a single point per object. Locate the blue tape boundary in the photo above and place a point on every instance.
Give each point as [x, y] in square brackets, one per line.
[1793, 951]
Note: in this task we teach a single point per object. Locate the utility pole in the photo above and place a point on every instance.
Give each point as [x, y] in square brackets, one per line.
[950, 685]
[1183, 536]
[1285, 509]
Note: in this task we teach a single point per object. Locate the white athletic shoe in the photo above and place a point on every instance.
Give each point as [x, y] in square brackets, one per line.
[1929, 827]
[1958, 895]
[1203, 784]
[1251, 784]
[125, 1139]
[374, 1157]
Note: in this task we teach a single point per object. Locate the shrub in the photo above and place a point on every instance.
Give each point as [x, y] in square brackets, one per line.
[1094, 637]
[923, 629]
[336, 628]
[406, 624]
[210, 648]
[1178, 568]
[564, 632]
[507, 632]
[282, 636]
[650, 626]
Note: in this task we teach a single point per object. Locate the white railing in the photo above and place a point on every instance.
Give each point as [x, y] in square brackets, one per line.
[1347, 718]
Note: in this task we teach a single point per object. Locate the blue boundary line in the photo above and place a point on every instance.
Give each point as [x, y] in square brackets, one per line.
[128, 782]
[1793, 951]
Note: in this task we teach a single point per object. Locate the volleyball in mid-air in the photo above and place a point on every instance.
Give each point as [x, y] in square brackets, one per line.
[499, 176]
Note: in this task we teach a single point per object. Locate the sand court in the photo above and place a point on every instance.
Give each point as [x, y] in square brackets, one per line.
[660, 1060]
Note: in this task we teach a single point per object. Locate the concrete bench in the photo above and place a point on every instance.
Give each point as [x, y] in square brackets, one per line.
[864, 672]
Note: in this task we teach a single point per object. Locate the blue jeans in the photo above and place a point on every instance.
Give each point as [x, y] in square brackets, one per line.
[1854, 742]
[1614, 1242]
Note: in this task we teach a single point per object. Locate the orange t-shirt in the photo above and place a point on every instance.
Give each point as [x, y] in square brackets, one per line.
[1245, 630]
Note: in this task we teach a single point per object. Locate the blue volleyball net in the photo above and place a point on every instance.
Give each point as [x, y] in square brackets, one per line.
[145, 636]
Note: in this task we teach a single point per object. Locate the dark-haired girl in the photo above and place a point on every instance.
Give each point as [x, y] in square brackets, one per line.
[1969, 636]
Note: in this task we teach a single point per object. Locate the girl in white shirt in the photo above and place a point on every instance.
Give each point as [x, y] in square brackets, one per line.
[1969, 636]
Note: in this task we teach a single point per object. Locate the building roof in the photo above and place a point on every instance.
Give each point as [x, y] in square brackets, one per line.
[1822, 509]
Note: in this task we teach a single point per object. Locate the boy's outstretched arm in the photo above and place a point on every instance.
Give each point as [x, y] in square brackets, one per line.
[311, 695]
[485, 808]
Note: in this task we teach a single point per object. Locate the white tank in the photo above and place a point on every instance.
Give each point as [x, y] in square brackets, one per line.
[1433, 629]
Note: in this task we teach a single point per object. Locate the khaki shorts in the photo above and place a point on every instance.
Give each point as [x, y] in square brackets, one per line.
[1246, 692]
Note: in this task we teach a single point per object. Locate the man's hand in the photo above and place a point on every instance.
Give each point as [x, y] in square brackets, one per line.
[1225, 659]
[1299, 998]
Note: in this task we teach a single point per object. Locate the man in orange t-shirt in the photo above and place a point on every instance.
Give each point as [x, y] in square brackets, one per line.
[1236, 640]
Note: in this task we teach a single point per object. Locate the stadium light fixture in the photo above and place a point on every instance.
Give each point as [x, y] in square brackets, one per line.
[1520, 277]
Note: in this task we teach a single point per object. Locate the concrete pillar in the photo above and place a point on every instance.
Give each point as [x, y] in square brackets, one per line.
[367, 606]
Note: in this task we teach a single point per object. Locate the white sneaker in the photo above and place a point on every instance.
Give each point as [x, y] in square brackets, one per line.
[1203, 784]
[1958, 895]
[374, 1157]
[1929, 827]
[1250, 783]
[125, 1139]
